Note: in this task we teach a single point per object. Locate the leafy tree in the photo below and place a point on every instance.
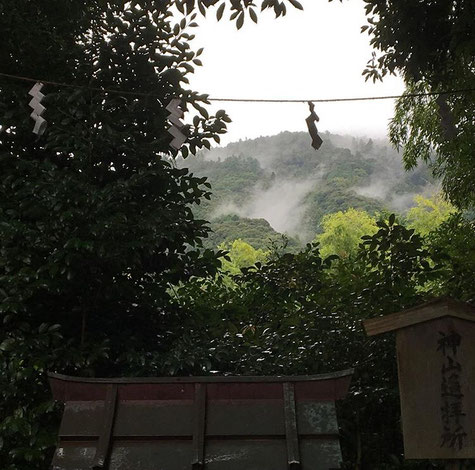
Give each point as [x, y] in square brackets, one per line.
[432, 45]
[453, 243]
[240, 255]
[257, 232]
[96, 223]
[342, 232]
[237, 8]
[441, 29]
[429, 213]
[301, 314]
[419, 129]
[97, 232]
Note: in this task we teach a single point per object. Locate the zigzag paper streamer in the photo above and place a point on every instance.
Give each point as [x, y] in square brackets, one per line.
[38, 108]
[176, 125]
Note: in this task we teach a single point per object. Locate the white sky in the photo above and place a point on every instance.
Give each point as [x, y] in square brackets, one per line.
[317, 53]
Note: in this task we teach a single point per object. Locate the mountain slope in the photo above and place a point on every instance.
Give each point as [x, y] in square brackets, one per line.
[283, 180]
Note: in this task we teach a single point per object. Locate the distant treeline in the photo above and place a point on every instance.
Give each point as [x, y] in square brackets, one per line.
[284, 181]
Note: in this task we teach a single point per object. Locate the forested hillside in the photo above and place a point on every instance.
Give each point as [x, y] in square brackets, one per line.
[284, 181]
[102, 270]
[256, 232]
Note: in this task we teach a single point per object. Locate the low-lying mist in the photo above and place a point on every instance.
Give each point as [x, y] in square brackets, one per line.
[385, 189]
[283, 180]
[281, 204]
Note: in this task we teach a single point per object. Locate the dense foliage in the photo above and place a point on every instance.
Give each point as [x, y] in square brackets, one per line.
[441, 136]
[342, 232]
[241, 255]
[301, 314]
[237, 9]
[429, 213]
[281, 178]
[257, 232]
[95, 222]
[432, 45]
[102, 271]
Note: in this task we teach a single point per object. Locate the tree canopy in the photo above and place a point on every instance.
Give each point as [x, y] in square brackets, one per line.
[102, 270]
[96, 221]
[429, 213]
[342, 232]
[301, 313]
[241, 255]
[432, 45]
[237, 8]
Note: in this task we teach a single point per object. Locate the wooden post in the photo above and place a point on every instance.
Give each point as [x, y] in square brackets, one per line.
[435, 345]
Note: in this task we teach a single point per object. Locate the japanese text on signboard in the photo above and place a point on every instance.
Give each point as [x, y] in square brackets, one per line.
[453, 433]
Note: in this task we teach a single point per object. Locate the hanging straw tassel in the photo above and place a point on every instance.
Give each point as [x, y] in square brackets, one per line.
[312, 128]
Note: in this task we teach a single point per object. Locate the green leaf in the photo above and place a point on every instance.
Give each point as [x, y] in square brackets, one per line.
[220, 11]
[296, 4]
[7, 344]
[240, 21]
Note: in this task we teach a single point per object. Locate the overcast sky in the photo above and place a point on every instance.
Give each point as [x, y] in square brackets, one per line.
[317, 53]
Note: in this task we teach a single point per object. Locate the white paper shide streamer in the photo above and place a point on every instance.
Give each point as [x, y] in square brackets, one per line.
[38, 108]
[176, 125]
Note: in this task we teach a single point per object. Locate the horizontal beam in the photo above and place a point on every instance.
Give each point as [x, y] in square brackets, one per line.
[210, 379]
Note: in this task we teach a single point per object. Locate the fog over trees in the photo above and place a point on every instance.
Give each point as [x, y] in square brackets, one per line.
[284, 181]
[108, 266]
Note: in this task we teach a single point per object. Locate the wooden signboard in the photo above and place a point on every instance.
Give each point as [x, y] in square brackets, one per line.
[436, 366]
